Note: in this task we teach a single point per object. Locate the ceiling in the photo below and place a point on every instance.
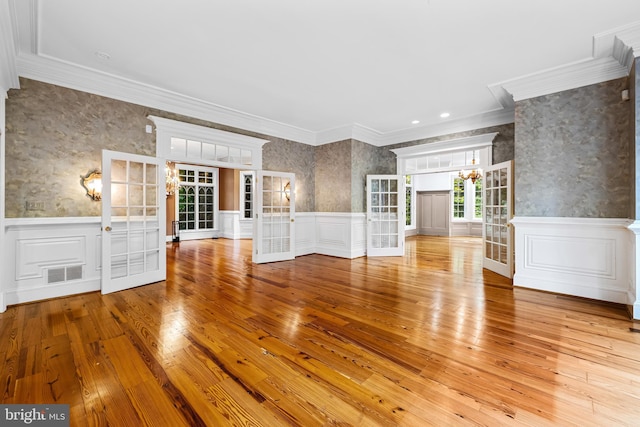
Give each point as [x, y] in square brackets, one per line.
[319, 66]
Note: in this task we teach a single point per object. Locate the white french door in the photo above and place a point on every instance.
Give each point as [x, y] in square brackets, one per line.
[273, 225]
[497, 232]
[133, 221]
[385, 215]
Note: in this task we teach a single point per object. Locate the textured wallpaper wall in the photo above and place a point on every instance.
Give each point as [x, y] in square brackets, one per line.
[366, 160]
[634, 140]
[55, 135]
[287, 156]
[572, 153]
[333, 177]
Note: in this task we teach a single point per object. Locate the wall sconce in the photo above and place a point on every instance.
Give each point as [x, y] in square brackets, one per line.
[171, 178]
[287, 191]
[92, 182]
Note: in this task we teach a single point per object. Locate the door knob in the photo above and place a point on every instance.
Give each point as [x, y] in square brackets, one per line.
[107, 228]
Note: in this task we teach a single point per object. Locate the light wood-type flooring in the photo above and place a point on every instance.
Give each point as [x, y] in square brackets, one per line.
[425, 339]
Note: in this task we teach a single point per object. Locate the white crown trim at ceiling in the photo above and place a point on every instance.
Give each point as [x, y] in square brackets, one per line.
[48, 70]
[566, 77]
[613, 53]
[42, 68]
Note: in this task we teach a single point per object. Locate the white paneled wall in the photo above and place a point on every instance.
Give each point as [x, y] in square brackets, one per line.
[593, 258]
[336, 234]
[232, 226]
[341, 234]
[50, 257]
[585, 257]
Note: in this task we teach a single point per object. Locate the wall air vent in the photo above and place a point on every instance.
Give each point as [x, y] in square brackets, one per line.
[64, 274]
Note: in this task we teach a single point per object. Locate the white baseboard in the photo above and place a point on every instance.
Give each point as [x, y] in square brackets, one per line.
[586, 257]
[18, 296]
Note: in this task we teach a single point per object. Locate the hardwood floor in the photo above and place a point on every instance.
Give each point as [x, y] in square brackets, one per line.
[425, 339]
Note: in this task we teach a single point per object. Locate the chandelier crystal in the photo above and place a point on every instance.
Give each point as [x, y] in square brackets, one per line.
[172, 180]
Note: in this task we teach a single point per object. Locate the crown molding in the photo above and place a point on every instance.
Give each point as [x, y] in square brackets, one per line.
[379, 139]
[622, 43]
[613, 54]
[353, 131]
[48, 70]
[463, 124]
[566, 77]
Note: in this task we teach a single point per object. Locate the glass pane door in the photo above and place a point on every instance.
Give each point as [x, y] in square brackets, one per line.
[274, 237]
[498, 211]
[385, 215]
[133, 221]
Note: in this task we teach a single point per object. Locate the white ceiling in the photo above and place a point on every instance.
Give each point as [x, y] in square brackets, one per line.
[323, 64]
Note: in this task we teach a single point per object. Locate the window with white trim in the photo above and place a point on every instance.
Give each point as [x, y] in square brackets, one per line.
[409, 212]
[458, 198]
[467, 199]
[247, 180]
[477, 206]
[197, 202]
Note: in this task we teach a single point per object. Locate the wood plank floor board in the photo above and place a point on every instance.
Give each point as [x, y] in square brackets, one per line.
[426, 339]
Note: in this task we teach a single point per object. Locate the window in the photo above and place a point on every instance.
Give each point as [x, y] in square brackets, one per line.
[246, 194]
[458, 198]
[408, 201]
[467, 199]
[477, 211]
[197, 205]
[189, 143]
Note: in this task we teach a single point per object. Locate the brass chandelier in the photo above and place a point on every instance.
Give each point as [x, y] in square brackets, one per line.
[473, 175]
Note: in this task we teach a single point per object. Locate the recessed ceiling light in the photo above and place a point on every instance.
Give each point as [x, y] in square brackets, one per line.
[445, 115]
[415, 122]
[103, 55]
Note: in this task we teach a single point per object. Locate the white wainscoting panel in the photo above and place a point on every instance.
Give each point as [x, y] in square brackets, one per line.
[54, 257]
[232, 226]
[466, 228]
[50, 257]
[305, 233]
[634, 269]
[586, 257]
[341, 234]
